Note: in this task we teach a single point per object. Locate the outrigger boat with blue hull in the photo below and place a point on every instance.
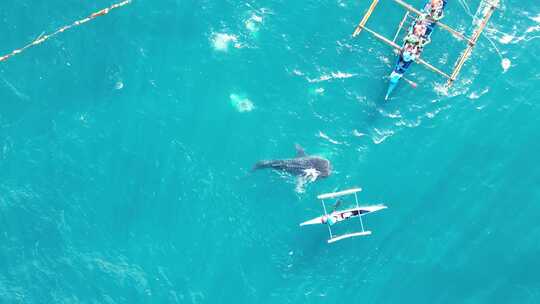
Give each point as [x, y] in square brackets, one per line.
[338, 216]
[404, 60]
[431, 17]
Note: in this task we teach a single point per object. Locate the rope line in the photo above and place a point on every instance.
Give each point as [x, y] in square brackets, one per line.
[42, 38]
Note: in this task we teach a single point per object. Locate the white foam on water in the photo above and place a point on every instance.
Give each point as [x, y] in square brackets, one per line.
[473, 95]
[409, 123]
[324, 136]
[221, 41]
[300, 186]
[358, 134]
[384, 113]
[432, 114]
[251, 26]
[320, 79]
[506, 39]
[341, 75]
[532, 29]
[241, 103]
[536, 27]
[381, 135]
[480, 108]
[476, 95]
[333, 75]
[297, 72]
[441, 89]
[301, 183]
[384, 59]
[319, 90]
[253, 23]
[460, 87]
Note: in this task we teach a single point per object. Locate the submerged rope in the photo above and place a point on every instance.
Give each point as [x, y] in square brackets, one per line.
[42, 38]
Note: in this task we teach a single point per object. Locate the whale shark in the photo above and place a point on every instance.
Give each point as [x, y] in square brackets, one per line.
[305, 166]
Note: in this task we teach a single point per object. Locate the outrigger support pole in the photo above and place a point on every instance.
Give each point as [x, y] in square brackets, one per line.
[359, 211]
[400, 26]
[365, 19]
[397, 47]
[461, 61]
[442, 25]
[326, 213]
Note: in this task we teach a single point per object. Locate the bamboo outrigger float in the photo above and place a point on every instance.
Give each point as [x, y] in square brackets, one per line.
[337, 216]
[490, 6]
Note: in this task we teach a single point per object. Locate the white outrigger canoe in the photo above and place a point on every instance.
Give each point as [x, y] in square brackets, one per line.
[342, 215]
[346, 214]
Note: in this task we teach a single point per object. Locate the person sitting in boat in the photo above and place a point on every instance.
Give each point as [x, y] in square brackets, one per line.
[420, 26]
[410, 52]
[412, 39]
[418, 32]
[435, 9]
[406, 57]
[332, 219]
[347, 214]
[329, 219]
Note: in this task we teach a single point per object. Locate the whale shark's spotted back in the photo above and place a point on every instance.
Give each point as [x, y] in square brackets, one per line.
[298, 165]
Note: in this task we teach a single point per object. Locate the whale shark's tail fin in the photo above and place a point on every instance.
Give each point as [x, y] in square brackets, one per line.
[262, 165]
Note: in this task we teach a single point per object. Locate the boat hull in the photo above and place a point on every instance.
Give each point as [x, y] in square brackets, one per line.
[401, 66]
[361, 212]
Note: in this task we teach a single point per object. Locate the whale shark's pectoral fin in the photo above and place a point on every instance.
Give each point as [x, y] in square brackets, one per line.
[311, 174]
[299, 151]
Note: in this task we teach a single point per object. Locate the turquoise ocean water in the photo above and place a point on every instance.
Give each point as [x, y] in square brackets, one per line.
[126, 147]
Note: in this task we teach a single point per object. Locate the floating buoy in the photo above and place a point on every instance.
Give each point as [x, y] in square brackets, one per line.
[505, 64]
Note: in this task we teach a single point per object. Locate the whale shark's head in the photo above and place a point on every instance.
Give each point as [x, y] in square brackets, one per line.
[323, 166]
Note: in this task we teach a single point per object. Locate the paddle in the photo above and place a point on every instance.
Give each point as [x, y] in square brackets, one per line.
[410, 82]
